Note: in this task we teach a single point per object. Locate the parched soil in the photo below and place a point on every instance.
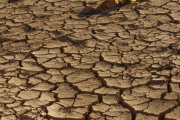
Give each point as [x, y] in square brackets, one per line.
[116, 64]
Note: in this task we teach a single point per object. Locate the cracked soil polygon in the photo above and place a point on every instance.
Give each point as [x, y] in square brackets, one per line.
[113, 64]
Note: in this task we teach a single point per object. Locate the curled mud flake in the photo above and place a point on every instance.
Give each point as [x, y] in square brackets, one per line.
[140, 74]
[16, 81]
[14, 64]
[21, 110]
[64, 91]
[100, 107]
[6, 112]
[107, 91]
[78, 113]
[35, 103]
[2, 80]
[29, 94]
[154, 10]
[135, 101]
[107, 74]
[14, 104]
[42, 60]
[175, 79]
[159, 85]
[43, 76]
[71, 49]
[66, 102]
[131, 15]
[57, 79]
[79, 36]
[173, 115]
[6, 99]
[54, 63]
[141, 116]
[173, 6]
[110, 99]
[24, 18]
[171, 96]
[175, 15]
[85, 100]
[34, 81]
[96, 115]
[56, 44]
[90, 59]
[68, 71]
[8, 117]
[11, 74]
[102, 66]
[151, 92]
[46, 96]
[117, 69]
[111, 111]
[30, 115]
[160, 107]
[174, 87]
[20, 56]
[139, 82]
[31, 66]
[79, 76]
[83, 66]
[111, 57]
[165, 27]
[8, 57]
[40, 52]
[88, 86]
[118, 83]
[130, 59]
[158, 3]
[43, 86]
[3, 60]
[56, 111]
[157, 79]
[53, 72]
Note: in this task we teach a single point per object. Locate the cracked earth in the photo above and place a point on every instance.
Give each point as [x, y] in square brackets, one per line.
[117, 64]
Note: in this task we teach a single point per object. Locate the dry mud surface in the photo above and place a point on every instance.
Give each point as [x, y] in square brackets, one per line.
[117, 64]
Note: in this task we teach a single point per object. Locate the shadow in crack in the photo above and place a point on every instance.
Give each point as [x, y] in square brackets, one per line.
[88, 10]
[13, 1]
[104, 6]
